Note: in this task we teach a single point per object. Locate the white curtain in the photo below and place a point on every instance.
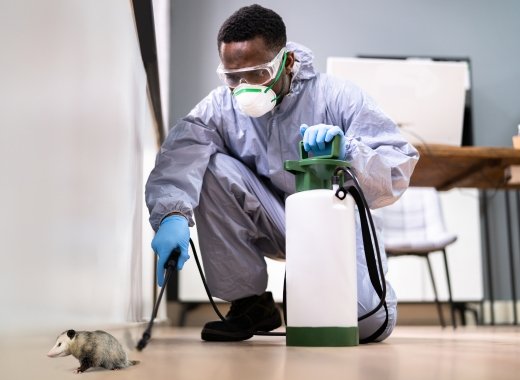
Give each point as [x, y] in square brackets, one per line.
[76, 144]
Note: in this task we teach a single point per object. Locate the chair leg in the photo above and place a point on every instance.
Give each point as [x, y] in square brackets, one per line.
[437, 303]
[452, 307]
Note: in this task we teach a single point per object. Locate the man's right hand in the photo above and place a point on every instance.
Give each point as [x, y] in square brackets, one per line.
[173, 233]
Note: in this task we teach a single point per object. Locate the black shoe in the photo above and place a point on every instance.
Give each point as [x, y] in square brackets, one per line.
[245, 317]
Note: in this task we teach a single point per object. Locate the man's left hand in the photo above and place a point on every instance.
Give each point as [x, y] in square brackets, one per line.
[315, 137]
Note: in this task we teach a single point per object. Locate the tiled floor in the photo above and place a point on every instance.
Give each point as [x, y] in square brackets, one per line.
[178, 353]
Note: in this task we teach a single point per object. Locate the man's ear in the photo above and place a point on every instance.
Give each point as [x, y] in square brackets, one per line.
[289, 62]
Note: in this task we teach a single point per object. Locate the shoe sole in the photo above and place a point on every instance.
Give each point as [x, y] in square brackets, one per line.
[212, 335]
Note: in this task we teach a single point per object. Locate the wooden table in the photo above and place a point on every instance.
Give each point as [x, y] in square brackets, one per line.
[445, 167]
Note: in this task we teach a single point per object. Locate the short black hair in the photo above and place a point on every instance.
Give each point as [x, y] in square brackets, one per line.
[253, 21]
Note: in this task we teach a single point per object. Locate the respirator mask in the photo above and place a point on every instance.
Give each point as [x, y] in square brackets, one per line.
[253, 96]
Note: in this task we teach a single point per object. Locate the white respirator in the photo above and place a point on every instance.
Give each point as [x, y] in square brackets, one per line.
[255, 100]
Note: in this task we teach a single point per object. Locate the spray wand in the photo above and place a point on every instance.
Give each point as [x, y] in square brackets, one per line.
[170, 266]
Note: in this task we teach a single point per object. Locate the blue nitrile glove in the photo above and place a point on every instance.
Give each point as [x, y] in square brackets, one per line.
[315, 137]
[172, 233]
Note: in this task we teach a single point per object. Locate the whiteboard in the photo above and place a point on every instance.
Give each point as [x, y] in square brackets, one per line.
[424, 98]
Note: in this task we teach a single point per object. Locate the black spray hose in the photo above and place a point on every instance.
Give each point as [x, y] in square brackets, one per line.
[210, 297]
[377, 277]
[170, 266]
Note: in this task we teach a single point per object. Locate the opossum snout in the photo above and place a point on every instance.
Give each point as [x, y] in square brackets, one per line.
[53, 353]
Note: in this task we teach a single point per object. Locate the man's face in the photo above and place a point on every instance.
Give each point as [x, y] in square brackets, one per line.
[238, 55]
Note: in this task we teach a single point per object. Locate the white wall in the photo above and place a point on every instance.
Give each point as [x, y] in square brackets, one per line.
[161, 13]
[76, 140]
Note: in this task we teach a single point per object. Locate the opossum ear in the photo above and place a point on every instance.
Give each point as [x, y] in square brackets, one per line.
[71, 333]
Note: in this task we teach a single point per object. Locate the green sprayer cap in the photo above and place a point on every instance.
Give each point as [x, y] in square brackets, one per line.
[316, 172]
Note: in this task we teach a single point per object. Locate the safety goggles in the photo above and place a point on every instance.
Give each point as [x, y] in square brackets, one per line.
[260, 74]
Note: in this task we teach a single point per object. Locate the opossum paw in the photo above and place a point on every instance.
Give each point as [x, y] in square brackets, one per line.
[77, 370]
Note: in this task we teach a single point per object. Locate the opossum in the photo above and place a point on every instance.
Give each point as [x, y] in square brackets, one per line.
[92, 349]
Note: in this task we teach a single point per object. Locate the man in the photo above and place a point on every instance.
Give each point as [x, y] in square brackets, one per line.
[222, 165]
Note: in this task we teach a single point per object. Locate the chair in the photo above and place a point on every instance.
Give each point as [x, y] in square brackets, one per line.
[414, 226]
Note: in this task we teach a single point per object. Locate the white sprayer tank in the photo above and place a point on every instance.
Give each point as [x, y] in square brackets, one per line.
[321, 281]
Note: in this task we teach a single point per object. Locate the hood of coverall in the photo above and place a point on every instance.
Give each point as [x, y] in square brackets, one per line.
[303, 68]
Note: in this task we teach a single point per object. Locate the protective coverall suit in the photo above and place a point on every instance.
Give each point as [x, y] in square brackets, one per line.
[225, 170]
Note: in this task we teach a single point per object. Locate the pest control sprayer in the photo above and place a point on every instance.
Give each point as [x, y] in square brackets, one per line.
[321, 283]
[321, 270]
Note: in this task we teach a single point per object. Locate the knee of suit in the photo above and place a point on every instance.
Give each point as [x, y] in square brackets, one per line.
[370, 325]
